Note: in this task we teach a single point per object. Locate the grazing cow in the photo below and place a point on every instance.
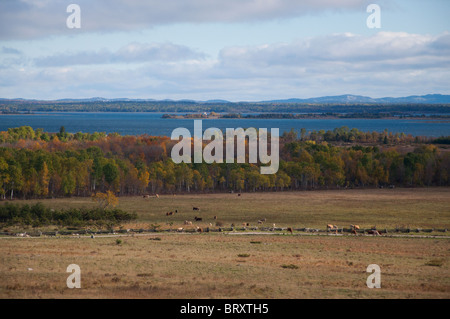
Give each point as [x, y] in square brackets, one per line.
[23, 235]
[187, 222]
[354, 229]
[199, 229]
[289, 229]
[215, 217]
[239, 194]
[374, 232]
[169, 213]
[198, 219]
[260, 221]
[157, 196]
[195, 208]
[146, 196]
[332, 227]
[180, 229]
[176, 211]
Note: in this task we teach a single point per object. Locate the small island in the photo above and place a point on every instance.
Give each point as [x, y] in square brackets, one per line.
[294, 116]
[204, 115]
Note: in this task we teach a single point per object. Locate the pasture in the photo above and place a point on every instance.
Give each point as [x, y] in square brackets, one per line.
[243, 265]
[385, 208]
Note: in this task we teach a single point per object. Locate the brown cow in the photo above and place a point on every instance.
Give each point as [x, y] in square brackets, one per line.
[289, 229]
[195, 208]
[332, 227]
[169, 213]
[354, 228]
[199, 230]
[198, 219]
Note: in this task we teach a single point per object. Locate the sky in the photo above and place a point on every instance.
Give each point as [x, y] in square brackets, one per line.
[236, 50]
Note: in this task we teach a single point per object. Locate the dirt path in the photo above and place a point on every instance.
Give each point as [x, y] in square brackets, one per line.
[228, 233]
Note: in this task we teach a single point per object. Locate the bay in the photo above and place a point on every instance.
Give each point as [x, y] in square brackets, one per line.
[126, 123]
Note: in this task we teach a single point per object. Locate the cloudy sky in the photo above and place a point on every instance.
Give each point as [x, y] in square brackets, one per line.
[238, 50]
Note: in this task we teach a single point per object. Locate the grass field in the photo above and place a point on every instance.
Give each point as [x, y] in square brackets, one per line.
[227, 265]
[385, 208]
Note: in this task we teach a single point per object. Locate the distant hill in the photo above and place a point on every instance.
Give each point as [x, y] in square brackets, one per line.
[337, 99]
[342, 104]
[359, 99]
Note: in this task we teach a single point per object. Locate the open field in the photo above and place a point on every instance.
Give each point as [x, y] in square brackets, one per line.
[385, 208]
[227, 265]
[224, 266]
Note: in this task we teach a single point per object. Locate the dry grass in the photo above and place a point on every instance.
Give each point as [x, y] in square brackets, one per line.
[385, 208]
[218, 265]
[214, 266]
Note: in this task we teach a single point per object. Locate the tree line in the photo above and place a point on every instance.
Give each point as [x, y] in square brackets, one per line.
[19, 105]
[37, 164]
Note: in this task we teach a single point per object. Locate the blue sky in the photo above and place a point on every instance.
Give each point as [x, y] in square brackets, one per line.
[239, 50]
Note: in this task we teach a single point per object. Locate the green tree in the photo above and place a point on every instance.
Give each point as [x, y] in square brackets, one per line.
[111, 174]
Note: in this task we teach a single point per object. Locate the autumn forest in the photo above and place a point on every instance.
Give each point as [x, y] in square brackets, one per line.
[38, 164]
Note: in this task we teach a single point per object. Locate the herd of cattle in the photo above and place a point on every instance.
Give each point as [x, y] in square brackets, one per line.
[354, 229]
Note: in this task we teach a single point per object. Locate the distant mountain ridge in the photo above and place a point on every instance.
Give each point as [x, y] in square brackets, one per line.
[354, 99]
[337, 99]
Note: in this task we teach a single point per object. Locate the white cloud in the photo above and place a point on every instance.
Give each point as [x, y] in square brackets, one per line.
[384, 64]
[131, 53]
[31, 19]
[342, 48]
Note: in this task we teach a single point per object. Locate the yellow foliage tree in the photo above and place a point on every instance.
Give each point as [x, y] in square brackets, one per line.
[105, 200]
[44, 180]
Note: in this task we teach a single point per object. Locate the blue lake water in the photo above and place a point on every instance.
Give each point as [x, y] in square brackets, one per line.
[153, 124]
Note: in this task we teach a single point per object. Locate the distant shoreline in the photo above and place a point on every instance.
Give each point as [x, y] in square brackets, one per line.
[291, 116]
[261, 115]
